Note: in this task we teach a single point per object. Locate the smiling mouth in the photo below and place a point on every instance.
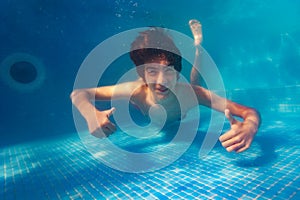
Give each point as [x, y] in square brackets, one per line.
[162, 90]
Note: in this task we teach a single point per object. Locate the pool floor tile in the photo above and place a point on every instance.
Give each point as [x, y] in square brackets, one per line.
[62, 168]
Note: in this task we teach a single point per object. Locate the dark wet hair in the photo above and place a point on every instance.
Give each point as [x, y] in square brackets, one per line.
[151, 44]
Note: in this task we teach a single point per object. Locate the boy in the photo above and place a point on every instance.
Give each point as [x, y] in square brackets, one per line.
[158, 86]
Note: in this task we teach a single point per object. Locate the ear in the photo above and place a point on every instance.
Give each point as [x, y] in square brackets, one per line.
[141, 72]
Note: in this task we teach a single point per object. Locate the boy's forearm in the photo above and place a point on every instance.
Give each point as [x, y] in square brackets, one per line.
[82, 101]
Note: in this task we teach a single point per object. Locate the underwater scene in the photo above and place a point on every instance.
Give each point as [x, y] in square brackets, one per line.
[250, 54]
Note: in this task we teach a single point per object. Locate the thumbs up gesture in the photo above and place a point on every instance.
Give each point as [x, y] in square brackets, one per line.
[99, 124]
[240, 135]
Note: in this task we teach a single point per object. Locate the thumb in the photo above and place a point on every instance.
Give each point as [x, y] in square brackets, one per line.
[110, 111]
[229, 116]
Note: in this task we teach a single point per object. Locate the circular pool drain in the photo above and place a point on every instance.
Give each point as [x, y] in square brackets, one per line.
[23, 72]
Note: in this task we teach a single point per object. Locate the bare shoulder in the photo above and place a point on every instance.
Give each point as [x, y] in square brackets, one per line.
[185, 88]
[188, 90]
[121, 90]
[131, 87]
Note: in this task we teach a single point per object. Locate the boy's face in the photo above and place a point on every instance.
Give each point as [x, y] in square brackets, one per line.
[160, 78]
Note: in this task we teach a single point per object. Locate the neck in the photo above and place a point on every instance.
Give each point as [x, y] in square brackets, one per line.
[166, 102]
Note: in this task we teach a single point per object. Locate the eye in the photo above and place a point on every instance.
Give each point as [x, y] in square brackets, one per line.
[151, 71]
[170, 70]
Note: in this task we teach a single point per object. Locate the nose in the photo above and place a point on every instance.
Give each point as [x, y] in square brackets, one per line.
[161, 78]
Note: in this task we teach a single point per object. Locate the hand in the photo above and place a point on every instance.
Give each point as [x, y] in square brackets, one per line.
[240, 136]
[101, 126]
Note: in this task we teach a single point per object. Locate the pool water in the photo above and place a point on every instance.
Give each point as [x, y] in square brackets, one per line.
[62, 168]
[256, 47]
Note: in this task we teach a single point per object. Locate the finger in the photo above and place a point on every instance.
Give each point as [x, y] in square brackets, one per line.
[242, 149]
[232, 141]
[111, 127]
[245, 147]
[228, 135]
[235, 147]
[105, 130]
[99, 133]
[102, 132]
[111, 111]
[229, 116]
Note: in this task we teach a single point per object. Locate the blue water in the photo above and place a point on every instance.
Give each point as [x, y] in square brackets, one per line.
[255, 45]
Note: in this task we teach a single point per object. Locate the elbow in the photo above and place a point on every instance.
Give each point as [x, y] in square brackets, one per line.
[74, 94]
[78, 94]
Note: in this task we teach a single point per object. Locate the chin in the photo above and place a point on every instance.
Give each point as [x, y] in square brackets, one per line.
[160, 97]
